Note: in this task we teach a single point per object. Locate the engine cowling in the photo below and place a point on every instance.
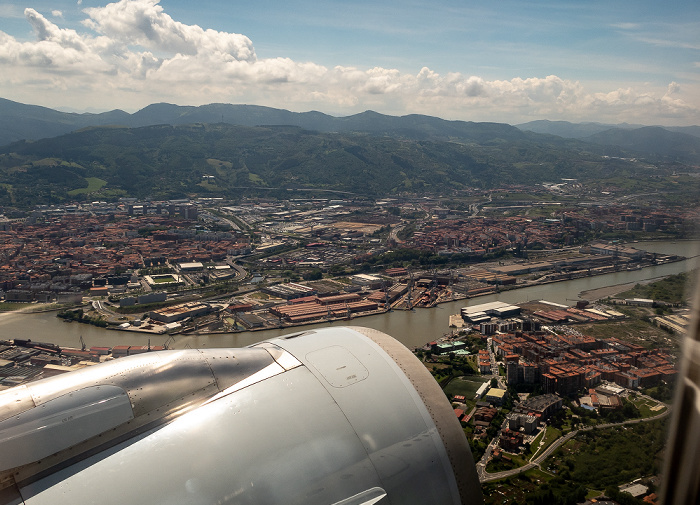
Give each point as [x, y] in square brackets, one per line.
[344, 416]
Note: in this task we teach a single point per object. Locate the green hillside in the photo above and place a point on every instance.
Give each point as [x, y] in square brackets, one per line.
[164, 162]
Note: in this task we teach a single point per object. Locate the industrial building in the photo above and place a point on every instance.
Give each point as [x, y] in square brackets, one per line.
[615, 250]
[193, 266]
[180, 312]
[370, 281]
[289, 291]
[153, 297]
[482, 390]
[316, 309]
[482, 313]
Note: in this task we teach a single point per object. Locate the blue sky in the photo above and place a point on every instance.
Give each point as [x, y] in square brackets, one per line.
[509, 61]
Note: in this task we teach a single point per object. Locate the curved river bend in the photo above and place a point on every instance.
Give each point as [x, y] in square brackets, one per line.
[412, 328]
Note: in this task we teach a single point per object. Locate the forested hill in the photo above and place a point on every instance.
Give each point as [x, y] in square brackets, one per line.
[164, 162]
[651, 140]
[29, 122]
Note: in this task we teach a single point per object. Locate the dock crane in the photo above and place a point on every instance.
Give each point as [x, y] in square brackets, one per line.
[166, 344]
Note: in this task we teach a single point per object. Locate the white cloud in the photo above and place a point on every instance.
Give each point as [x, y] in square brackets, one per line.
[673, 88]
[56, 51]
[143, 22]
[136, 54]
[46, 31]
[57, 14]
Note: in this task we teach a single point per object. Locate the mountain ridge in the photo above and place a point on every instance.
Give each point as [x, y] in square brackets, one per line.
[31, 122]
[568, 129]
[181, 161]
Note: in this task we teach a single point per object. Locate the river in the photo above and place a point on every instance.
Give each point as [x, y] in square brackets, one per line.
[412, 328]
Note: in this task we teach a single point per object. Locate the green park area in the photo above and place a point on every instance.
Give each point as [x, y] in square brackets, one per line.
[94, 184]
[612, 456]
[506, 462]
[592, 461]
[163, 279]
[648, 407]
[466, 386]
[534, 487]
[550, 435]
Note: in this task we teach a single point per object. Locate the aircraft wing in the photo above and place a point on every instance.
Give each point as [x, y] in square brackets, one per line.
[335, 416]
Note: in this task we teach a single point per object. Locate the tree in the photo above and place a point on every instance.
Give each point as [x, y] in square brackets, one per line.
[630, 410]
[313, 275]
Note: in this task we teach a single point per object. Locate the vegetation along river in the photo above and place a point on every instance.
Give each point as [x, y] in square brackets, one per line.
[413, 328]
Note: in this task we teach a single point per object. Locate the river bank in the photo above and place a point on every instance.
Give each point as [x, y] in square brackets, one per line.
[203, 330]
[443, 298]
[593, 295]
[412, 328]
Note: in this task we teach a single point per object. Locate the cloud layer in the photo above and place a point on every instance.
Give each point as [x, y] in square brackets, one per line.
[132, 53]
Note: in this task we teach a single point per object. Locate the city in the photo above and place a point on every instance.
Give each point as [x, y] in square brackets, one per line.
[523, 378]
[349, 253]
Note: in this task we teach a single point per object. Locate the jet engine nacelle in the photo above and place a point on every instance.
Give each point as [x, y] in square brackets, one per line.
[335, 416]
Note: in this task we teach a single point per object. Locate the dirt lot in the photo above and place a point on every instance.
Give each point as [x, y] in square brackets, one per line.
[632, 330]
[349, 226]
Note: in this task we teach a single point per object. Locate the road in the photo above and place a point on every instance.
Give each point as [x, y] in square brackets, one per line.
[241, 272]
[484, 476]
[481, 465]
[474, 207]
[495, 372]
[394, 232]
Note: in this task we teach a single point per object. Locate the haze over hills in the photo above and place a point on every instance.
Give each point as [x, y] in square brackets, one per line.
[168, 151]
[585, 130]
[651, 140]
[681, 143]
[570, 130]
[30, 122]
[19, 121]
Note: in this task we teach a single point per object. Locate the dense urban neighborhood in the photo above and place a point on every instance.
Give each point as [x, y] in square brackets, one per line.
[296, 261]
[524, 378]
[315, 253]
[527, 381]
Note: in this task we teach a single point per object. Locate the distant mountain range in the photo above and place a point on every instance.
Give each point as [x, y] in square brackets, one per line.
[30, 122]
[680, 143]
[166, 151]
[585, 130]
